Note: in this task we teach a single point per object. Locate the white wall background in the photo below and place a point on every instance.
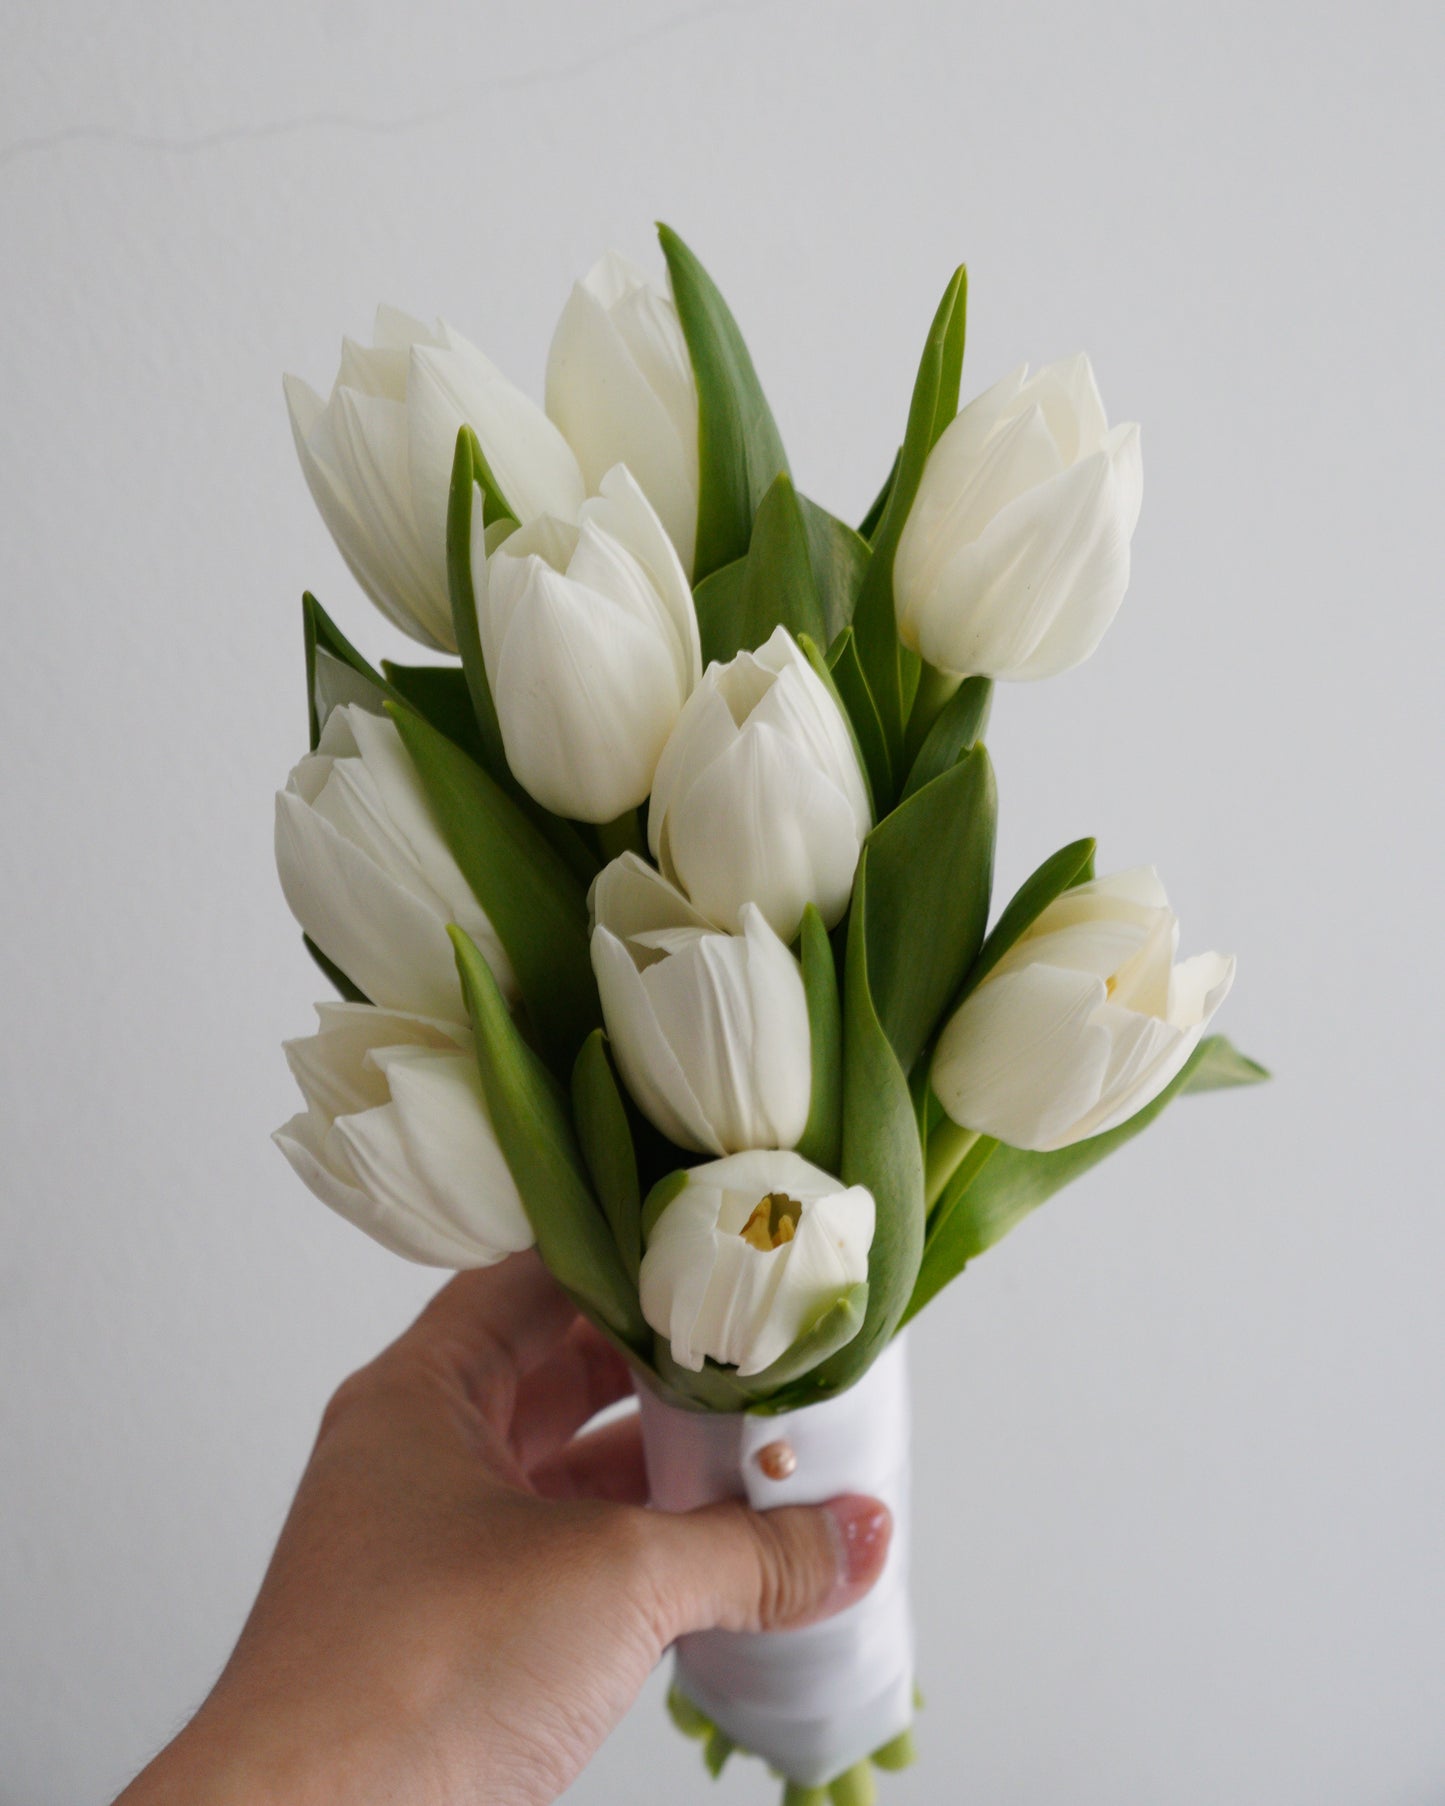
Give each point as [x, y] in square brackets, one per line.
[1183, 1471]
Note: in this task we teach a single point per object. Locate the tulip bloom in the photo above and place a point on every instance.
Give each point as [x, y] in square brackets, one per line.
[378, 460]
[621, 388]
[591, 646]
[710, 1029]
[759, 796]
[1083, 1021]
[396, 1138]
[1015, 555]
[367, 874]
[749, 1255]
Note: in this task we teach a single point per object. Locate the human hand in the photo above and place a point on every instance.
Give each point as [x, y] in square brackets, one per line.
[467, 1595]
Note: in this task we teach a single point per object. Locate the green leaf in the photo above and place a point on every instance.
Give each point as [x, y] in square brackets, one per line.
[901, 1753]
[930, 871]
[464, 602]
[440, 695]
[856, 1786]
[862, 711]
[606, 1142]
[531, 1126]
[776, 585]
[868, 526]
[716, 1750]
[534, 902]
[880, 1150]
[786, 1384]
[822, 1140]
[691, 1720]
[343, 984]
[1071, 865]
[840, 558]
[994, 1192]
[662, 1194]
[959, 724]
[336, 673]
[934, 404]
[739, 451]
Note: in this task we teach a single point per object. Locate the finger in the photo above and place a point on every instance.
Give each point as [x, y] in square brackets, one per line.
[730, 1568]
[494, 1324]
[554, 1401]
[606, 1464]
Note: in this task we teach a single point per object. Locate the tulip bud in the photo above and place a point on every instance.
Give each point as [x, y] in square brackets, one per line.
[710, 1030]
[621, 388]
[1083, 1021]
[378, 459]
[396, 1138]
[1015, 555]
[758, 795]
[591, 647]
[368, 876]
[749, 1254]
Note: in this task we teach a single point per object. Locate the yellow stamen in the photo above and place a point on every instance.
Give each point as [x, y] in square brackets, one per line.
[773, 1223]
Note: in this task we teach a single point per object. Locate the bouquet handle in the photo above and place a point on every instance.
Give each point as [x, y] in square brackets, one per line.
[818, 1701]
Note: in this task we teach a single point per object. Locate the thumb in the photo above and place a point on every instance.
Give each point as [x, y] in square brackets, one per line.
[729, 1568]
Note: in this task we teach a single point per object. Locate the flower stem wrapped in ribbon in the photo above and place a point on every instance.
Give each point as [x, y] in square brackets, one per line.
[661, 911]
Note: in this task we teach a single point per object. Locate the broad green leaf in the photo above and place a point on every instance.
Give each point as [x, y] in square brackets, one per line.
[935, 402]
[880, 1150]
[776, 586]
[440, 695]
[822, 1141]
[739, 451]
[464, 602]
[956, 727]
[606, 1142]
[532, 899]
[868, 526]
[857, 698]
[930, 870]
[535, 1136]
[332, 971]
[994, 1192]
[336, 673]
[1058, 873]
[840, 557]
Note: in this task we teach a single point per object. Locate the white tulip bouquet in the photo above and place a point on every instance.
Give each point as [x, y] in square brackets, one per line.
[659, 907]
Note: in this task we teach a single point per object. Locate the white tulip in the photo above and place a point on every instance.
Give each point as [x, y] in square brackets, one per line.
[758, 795]
[378, 458]
[621, 388]
[396, 1138]
[1083, 1021]
[748, 1256]
[591, 646]
[710, 1029]
[367, 874]
[1015, 555]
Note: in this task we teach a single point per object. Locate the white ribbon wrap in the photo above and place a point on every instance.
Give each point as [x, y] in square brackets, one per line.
[815, 1701]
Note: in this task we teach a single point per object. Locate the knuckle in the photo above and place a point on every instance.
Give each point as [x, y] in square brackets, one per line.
[784, 1579]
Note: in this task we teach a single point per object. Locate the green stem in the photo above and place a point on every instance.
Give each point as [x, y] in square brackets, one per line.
[622, 836]
[948, 1145]
[935, 690]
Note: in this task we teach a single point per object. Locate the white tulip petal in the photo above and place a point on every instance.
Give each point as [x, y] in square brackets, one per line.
[650, 1069]
[631, 897]
[402, 1231]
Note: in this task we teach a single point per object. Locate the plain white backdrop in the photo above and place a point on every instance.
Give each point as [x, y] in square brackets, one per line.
[1181, 1462]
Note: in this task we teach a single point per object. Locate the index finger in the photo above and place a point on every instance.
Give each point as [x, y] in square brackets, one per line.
[495, 1323]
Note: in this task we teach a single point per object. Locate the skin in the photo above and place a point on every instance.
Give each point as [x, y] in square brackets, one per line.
[468, 1594]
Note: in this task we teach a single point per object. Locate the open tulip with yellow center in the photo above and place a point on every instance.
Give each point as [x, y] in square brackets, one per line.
[748, 1256]
[1015, 555]
[1083, 1021]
